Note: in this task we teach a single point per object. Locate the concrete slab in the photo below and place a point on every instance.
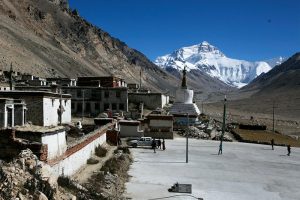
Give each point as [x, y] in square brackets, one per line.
[243, 172]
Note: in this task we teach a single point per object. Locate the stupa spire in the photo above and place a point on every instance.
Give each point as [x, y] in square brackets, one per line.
[183, 83]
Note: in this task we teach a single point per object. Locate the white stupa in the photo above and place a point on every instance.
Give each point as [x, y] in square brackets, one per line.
[183, 104]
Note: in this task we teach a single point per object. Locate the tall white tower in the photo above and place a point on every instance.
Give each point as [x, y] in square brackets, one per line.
[183, 104]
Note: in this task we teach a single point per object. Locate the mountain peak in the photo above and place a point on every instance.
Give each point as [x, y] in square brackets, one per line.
[209, 59]
[204, 43]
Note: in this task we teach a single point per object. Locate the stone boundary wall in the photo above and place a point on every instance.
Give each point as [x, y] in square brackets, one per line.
[77, 155]
[159, 135]
[150, 100]
[10, 146]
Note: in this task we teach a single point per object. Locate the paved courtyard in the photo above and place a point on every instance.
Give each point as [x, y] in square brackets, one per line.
[243, 172]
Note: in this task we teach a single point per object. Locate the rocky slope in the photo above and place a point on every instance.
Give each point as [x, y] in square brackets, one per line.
[47, 39]
[282, 78]
[209, 59]
[279, 87]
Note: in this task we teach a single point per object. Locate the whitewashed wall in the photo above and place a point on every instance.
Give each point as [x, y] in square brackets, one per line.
[56, 144]
[184, 96]
[66, 116]
[50, 106]
[74, 162]
[164, 100]
[50, 114]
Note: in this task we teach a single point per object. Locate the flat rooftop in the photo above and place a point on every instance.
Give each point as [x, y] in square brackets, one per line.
[243, 172]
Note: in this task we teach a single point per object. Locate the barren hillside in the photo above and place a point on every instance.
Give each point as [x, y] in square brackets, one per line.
[47, 39]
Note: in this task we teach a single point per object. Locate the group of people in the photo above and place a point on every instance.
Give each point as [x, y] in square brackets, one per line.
[158, 144]
[288, 147]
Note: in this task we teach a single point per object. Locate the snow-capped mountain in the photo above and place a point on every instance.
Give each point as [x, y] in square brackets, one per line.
[275, 61]
[209, 59]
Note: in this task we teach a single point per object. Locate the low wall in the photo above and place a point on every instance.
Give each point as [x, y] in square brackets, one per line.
[77, 155]
[159, 135]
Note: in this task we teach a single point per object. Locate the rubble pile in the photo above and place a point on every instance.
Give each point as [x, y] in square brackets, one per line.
[22, 179]
[106, 183]
[208, 129]
[110, 180]
[194, 132]
[216, 135]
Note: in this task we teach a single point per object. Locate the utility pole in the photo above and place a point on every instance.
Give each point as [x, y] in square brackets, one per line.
[11, 77]
[60, 106]
[223, 127]
[187, 140]
[82, 105]
[273, 116]
[140, 78]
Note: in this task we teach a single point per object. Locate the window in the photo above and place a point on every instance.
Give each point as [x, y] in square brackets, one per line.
[121, 106]
[96, 94]
[106, 106]
[114, 106]
[118, 94]
[79, 107]
[106, 94]
[53, 100]
[79, 93]
[97, 106]
[87, 107]
[66, 102]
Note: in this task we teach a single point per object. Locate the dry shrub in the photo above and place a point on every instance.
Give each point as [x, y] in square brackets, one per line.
[100, 151]
[92, 161]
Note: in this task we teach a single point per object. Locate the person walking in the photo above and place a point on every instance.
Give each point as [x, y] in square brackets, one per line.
[153, 145]
[289, 149]
[163, 145]
[220, 149]
[159, 144]
[272, 144]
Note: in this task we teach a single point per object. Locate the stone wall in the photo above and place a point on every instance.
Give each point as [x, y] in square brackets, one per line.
[34, 111]
[130, 131]
[10, 146]
[150, 100]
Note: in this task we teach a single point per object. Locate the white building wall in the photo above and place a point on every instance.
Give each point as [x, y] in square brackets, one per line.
[56, 144]
[74, 162]
[164, 100]
[66, 116]
[184, 96]
[50, 106]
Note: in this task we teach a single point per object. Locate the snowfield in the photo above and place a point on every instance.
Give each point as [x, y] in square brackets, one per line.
[243, 172]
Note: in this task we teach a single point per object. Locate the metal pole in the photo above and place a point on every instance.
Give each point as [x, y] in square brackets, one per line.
[273, 117]
[187, 140]
[82, 105]
[223, 127]
[60, 107]
[141, 78]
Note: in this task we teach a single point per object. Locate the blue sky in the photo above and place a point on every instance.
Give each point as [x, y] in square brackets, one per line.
[251, 30]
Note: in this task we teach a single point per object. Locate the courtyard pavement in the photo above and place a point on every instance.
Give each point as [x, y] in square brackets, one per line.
[243, 172]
